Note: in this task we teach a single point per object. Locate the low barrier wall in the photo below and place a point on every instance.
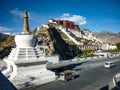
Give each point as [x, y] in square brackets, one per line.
[78, 59]
[116, 79]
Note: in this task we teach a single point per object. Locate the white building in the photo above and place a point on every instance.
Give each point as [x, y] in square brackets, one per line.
[107, 47]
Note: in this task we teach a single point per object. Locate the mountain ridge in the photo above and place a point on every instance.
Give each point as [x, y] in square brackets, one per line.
[108, 37]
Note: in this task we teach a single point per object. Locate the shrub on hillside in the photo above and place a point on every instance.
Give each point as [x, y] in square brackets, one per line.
[118, 45]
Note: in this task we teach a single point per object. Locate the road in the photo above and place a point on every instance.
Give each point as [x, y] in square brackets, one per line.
[92, 76]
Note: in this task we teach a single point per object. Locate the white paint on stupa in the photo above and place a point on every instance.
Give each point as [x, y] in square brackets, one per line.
[26, 64]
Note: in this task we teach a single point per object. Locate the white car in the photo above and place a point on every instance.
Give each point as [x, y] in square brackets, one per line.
[109, 64]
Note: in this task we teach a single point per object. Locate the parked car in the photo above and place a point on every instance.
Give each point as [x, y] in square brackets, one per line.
[110, 56]
[109, 64]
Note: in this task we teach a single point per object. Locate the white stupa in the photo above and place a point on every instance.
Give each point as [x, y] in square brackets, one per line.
[26, 64]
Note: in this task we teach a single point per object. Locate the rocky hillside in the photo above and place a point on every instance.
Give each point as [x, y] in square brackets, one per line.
[51, 39]
[6, 43]
[108, 37]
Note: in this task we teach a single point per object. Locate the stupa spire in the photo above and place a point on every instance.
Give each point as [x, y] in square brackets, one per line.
[25, 29]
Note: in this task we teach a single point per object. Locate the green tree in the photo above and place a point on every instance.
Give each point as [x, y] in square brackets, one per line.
[118, 45]
[89, 50]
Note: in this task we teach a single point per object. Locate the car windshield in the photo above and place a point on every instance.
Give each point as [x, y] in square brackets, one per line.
[61, 74]
[106, 64]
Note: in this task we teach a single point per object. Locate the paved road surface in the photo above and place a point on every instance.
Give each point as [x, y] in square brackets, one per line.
[92, 76]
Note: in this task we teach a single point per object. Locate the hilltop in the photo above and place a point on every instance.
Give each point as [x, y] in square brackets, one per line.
[108, 37]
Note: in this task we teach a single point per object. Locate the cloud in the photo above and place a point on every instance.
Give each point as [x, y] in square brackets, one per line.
[6, 29]
[79, 20]
[18, 14]
[65, 15]
[9, 33]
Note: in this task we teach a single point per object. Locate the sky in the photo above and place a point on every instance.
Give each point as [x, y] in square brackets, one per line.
[95, 15]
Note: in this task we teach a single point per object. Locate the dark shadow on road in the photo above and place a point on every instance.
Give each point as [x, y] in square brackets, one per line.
[67, 67]
[107, 88]
[76, 76]
[5, 84]
[118, 83]
[104, 88]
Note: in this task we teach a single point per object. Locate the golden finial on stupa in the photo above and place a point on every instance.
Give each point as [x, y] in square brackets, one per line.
[25, 14]
[25, 29]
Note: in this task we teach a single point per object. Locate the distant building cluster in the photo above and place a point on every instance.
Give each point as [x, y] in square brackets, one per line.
[108, 47]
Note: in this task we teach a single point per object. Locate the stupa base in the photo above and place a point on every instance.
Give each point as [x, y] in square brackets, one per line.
[29, 74]
[21, 81]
